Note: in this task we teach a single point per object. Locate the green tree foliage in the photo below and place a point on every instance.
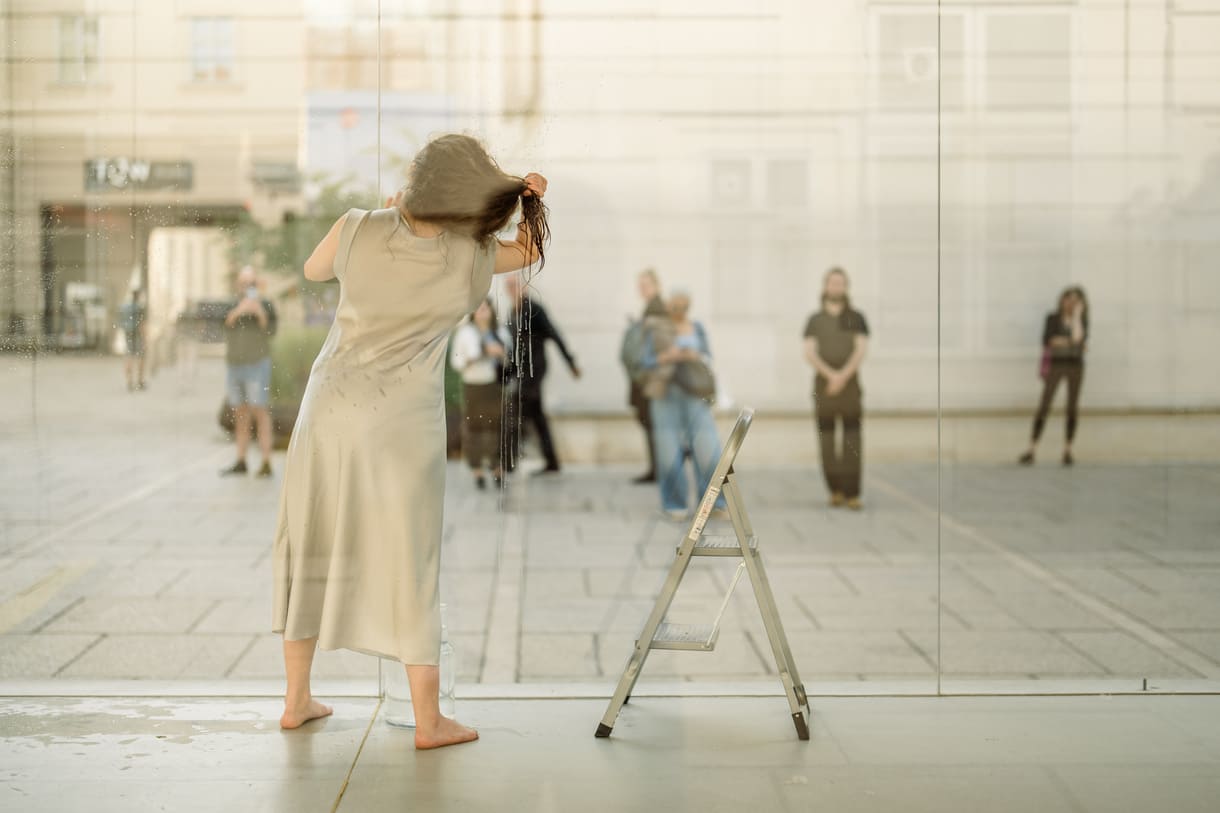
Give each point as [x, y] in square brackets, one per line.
[283, 247]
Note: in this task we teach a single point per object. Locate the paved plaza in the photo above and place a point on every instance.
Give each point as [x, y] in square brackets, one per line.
[125, 556]
[1128, 754]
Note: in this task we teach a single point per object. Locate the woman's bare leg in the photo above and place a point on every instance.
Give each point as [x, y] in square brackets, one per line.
[299, 705]
[431, 729]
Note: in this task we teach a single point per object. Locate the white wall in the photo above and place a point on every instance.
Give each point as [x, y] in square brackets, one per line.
[1071, 147]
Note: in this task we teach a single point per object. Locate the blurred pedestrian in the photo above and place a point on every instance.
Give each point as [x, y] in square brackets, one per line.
[133, 321]
[631, 354]
[1064, 336]
[357, 545]
[477, 352]
[188, 335]
[680, 388]
[836, 340]
[530, 328]
[249, 326]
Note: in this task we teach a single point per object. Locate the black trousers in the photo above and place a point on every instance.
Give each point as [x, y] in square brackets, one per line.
[841, 464]
[1073, 373]
[526, 407]
[643, 414]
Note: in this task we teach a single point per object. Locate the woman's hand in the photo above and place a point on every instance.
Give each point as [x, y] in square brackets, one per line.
[493, 349]
[535, 185]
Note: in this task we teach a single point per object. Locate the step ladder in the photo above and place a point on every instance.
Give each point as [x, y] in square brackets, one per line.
[742, 543]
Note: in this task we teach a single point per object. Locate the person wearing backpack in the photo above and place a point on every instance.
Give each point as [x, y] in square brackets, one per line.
[631, 355]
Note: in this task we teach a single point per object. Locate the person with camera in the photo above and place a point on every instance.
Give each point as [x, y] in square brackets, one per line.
[249, 326]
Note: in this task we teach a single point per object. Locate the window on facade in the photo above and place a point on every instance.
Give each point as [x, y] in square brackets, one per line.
[212, 49]
[78, 48]
[1028, 61]
[731, 183]
[787, 184]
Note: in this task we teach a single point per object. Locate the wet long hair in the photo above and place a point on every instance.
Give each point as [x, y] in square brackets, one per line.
[456, 185]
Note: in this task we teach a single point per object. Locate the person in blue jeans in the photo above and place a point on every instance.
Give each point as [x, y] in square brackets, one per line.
[682, 422]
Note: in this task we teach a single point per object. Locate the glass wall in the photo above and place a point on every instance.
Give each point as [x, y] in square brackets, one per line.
[965, 164]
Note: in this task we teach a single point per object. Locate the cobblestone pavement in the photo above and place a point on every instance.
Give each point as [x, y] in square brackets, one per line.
[126, 556]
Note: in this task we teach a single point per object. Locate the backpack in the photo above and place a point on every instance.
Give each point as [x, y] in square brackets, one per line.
[631, 351]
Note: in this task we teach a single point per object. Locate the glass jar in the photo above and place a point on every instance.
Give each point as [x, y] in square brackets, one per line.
[396, 689]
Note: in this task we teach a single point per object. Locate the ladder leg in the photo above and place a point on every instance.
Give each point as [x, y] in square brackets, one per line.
[784, 662]
[798, 703]
[631, 673]
[622, 692]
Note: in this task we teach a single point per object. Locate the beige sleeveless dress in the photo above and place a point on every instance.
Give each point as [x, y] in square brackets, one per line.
[358, 536]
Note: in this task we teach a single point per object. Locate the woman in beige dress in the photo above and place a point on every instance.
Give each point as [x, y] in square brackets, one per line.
[358, 536]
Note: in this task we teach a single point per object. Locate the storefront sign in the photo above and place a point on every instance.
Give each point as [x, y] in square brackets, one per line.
[110, 174]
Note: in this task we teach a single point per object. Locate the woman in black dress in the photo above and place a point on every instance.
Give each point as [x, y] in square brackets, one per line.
[1063, 346]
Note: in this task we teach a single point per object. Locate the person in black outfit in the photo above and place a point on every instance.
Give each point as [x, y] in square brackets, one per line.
[1063, 344]
[836, 339]
[650, 292]
[530, 328]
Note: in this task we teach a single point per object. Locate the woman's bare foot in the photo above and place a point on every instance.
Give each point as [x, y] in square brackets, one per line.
[295, 717]
[446, 732]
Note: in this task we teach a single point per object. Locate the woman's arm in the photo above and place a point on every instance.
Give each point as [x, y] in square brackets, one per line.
[520, 252]
[321, 263]
[513, 255]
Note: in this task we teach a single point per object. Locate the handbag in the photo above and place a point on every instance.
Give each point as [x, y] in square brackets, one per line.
[1044, 369]
[696, 379]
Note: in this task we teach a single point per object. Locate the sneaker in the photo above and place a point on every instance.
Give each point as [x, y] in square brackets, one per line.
[265, 469]
[497, 481]
[1068, 459]
[545, 470]
[719, 513]
[854, 503]
[837, 500]
[1026, 459]
[647, 477]
[480, 483]
[237, 468]
[677, 514]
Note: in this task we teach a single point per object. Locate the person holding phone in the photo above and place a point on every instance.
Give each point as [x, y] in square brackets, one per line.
[1064, 335]
[356, 552]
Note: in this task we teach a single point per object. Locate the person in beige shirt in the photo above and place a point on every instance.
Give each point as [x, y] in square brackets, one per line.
[356, 553]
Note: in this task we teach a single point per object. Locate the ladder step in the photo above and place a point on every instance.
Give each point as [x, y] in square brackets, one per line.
[695, 637]
[721, 545]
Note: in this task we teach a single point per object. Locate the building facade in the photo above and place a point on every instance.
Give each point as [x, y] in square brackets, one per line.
[963, 165]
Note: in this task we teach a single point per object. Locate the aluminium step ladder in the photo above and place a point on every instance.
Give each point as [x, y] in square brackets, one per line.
[743, 544]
